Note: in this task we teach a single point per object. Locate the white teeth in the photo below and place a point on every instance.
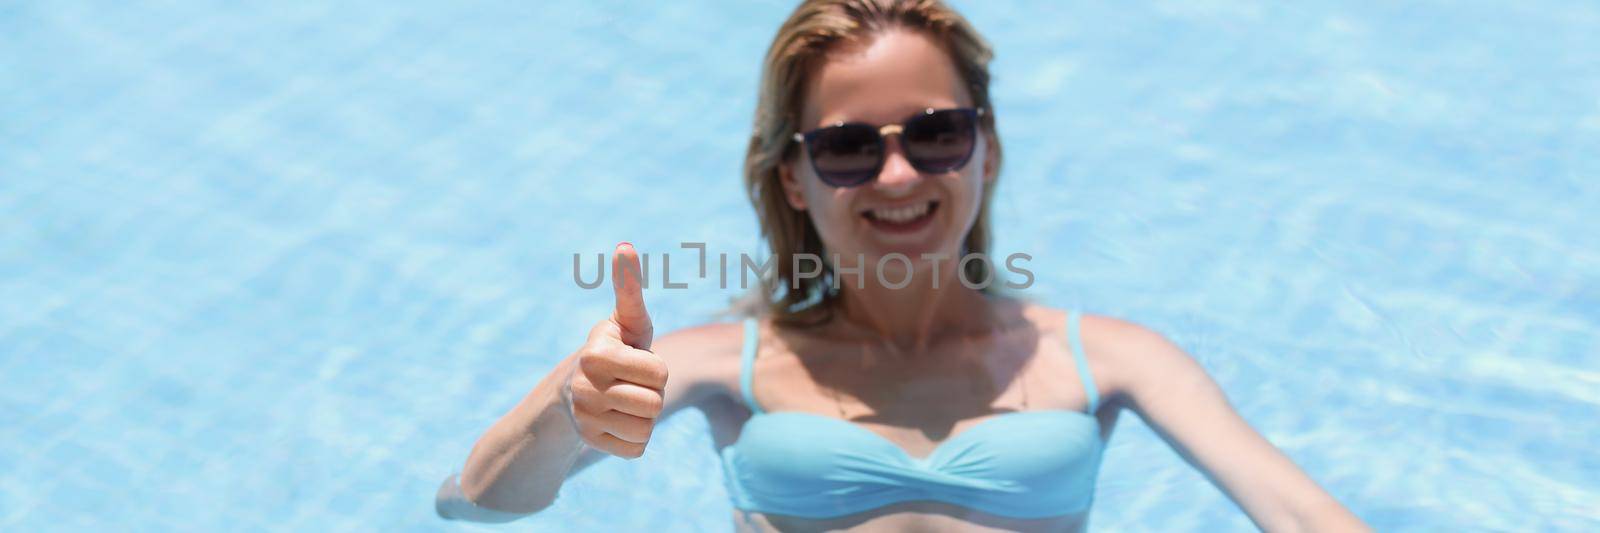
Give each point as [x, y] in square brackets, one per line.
[902, 214]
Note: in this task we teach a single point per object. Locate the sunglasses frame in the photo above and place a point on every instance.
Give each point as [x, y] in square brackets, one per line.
[884, 131]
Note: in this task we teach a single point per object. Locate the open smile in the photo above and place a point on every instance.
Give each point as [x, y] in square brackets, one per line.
[903, 218]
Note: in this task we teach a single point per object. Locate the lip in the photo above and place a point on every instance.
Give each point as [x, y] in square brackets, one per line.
[896, 205]
[901, 228]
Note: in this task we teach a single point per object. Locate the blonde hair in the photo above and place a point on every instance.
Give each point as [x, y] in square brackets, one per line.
[816, 28]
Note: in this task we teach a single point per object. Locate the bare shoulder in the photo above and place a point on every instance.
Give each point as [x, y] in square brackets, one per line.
[706, 339]
[1123, 354]
[1105, 332]
[702, 361]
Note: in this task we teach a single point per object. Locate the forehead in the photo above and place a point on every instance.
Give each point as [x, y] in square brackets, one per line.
[895, 74]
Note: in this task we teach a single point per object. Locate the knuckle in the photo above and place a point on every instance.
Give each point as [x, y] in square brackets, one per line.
[586, 355]
[580, 387]
[585, 403]
[587, 359]
[583, 410]
[589, 434]
[647, 431]
[597, 350]
[626, 436]
[601, 329]
[596, 360]
[640, 428]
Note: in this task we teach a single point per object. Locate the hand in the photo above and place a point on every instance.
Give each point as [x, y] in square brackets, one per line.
[616, 390]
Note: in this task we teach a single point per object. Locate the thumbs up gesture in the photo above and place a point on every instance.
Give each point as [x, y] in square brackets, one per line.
[616, 390]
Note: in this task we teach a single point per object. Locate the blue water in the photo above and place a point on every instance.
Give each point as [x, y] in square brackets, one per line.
[276, 267]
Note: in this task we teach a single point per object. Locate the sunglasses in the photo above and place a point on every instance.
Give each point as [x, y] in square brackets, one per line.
[848, 154]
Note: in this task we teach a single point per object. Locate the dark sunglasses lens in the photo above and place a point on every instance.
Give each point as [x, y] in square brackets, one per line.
[941, 141]
[846, 155]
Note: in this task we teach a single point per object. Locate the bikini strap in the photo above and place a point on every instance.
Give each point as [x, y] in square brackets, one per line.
[1083, 362]
[746, 362]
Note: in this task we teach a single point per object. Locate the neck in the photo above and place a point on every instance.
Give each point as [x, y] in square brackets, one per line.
[911, 318]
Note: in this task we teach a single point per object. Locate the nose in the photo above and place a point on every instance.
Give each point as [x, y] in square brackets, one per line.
[897, 176]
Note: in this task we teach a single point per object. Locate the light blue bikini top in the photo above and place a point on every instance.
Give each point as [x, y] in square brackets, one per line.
[1025, 464]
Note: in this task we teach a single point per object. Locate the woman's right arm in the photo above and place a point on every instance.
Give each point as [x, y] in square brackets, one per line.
[517, 465]
[603, 399]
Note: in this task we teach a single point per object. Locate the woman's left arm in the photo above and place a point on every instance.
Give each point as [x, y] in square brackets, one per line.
[1175, 396]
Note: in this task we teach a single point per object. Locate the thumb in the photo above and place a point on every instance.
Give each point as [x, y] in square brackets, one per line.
[630, 314]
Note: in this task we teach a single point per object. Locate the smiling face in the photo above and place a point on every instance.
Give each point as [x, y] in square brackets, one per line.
[889, 78]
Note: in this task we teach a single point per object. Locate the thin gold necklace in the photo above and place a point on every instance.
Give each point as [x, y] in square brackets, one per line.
[1022, 374]
[837, 402]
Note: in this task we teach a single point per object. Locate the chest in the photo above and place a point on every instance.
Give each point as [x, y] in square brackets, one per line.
[916, 401]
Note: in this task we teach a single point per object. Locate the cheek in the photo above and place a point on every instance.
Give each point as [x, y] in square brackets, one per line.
[972, 184]
[828, 206]
[975, 176]
[971, 202]
[830, 213]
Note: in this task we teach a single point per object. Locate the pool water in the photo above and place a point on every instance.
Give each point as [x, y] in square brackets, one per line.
[276, 267]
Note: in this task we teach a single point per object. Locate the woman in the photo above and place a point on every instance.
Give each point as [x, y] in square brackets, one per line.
[851, 402]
